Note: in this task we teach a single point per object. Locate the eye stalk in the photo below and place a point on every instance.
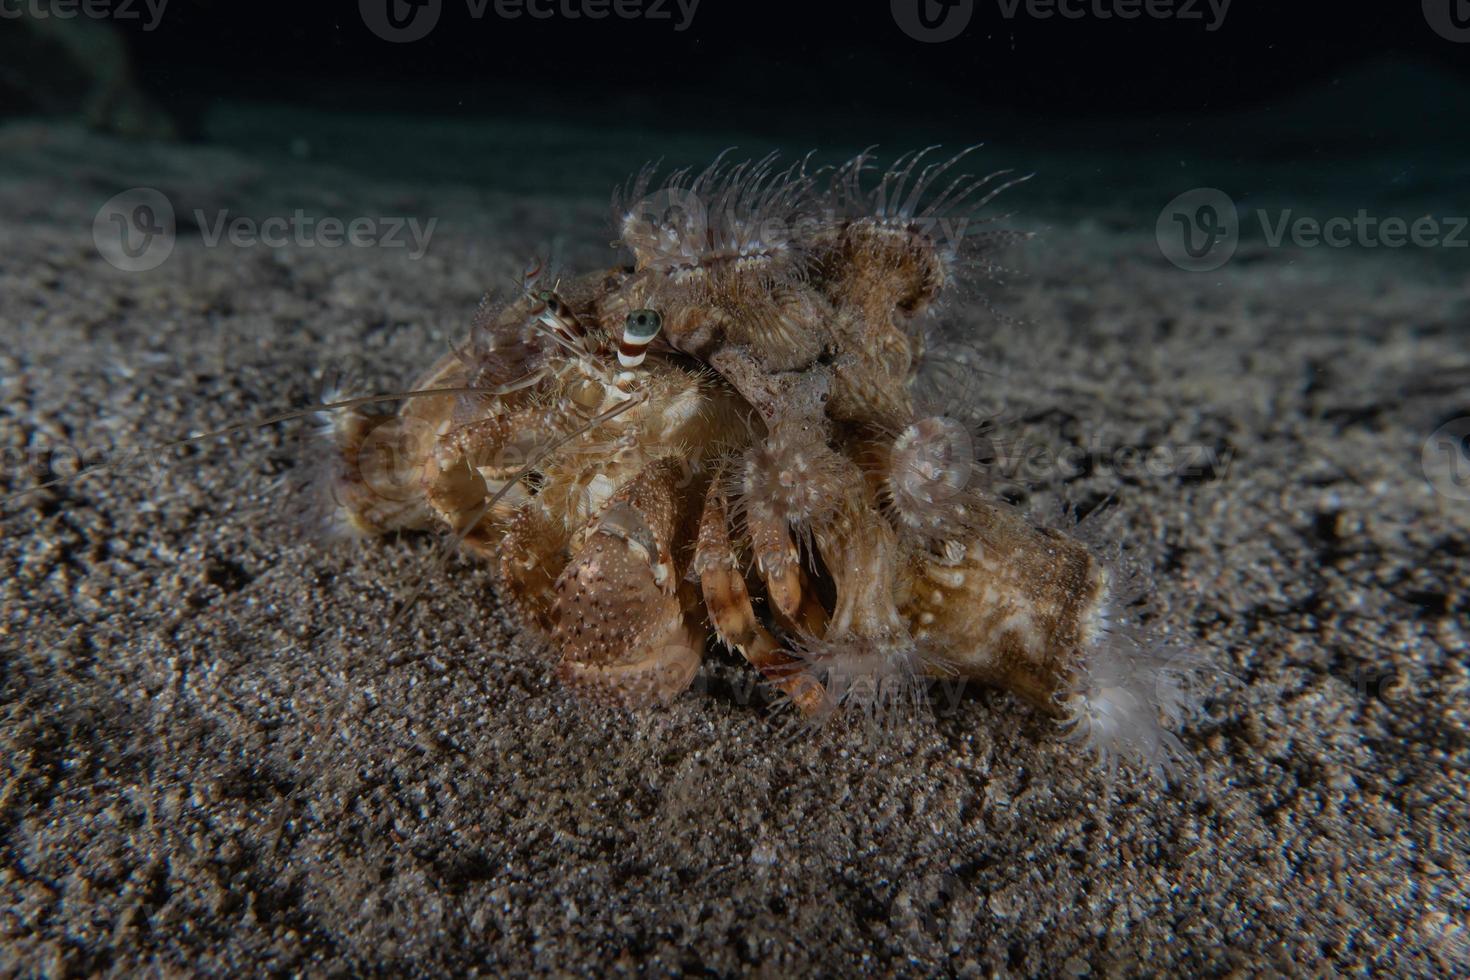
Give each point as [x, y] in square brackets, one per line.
[639, 330]
[558, 316]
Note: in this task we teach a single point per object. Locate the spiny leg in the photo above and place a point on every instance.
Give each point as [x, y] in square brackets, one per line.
[811, 618]
[620, 619]
[776, 557]
[728, 602]
[787, 484]
[820, 492]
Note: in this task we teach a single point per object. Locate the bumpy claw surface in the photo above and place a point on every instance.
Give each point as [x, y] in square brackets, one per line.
[619, 619]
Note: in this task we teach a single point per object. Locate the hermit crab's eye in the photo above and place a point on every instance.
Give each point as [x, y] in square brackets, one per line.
[643, 325]
[638, 332]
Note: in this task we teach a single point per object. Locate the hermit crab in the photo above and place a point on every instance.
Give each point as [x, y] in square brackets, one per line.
[717, 441]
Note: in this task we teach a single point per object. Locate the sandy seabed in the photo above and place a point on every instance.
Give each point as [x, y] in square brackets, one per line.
[216, 757]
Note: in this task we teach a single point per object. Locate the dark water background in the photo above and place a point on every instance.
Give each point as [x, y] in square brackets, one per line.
[1306, 104]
